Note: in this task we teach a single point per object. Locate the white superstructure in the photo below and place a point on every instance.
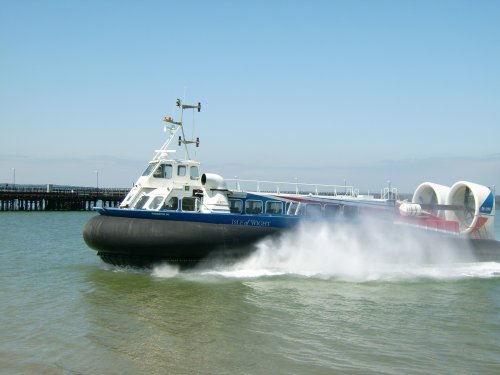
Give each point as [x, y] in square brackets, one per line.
[167, 179]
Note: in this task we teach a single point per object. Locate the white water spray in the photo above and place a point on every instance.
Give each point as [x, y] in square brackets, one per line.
[165, 271]
[360, 252]
[364, 251]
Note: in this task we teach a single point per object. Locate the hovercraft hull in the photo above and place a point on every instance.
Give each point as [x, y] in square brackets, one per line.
[143, 242]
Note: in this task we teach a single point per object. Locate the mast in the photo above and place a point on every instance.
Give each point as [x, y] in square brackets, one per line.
[174, 127]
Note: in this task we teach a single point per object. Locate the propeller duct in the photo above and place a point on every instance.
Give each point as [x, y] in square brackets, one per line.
[430, 194]
[477, 209]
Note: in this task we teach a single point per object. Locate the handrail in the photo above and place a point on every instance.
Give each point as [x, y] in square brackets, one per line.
[297, 188]
[388, 193]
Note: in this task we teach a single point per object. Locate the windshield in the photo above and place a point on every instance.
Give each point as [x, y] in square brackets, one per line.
[149, 169]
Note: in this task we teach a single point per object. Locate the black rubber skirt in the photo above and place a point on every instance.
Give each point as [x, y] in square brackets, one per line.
[143, 242]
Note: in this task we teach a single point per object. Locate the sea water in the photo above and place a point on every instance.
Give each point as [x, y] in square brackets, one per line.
[315, 302]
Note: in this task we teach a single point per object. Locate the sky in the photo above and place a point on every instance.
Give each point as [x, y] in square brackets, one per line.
[330, 92]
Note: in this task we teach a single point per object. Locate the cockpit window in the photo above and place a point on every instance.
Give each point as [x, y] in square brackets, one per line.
[167, 171]
[194, 172]
[149, 169]
[181, 170]
[163, 171]
[158, 172]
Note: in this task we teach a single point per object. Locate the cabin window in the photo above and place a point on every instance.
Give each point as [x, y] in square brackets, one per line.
[332, 210]
[167, 171]
[158, 172]
[274, 208]
[163, 171]
[149, 169]
[350, 211]
[142, 202]
[156, 202]
[171, 204]
[292, 208]
[253, 207]
[193, 171]
[313, 210]
[181, 170]
[300, 209]
[189, 204]
[236, 206]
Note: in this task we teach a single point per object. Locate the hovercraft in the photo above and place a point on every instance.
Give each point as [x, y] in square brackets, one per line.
[176, 214]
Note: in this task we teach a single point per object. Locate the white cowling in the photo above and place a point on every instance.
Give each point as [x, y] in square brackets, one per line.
[214, 193]
[429, 193]
[410, 209]
[477, 217]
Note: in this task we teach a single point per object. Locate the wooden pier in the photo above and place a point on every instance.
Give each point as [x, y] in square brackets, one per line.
[57, 197]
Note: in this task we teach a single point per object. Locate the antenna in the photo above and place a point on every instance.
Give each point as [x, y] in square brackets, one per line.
[174, 127]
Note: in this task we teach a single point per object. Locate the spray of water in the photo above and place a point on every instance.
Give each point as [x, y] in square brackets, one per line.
[363, 251]
[165, 270]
